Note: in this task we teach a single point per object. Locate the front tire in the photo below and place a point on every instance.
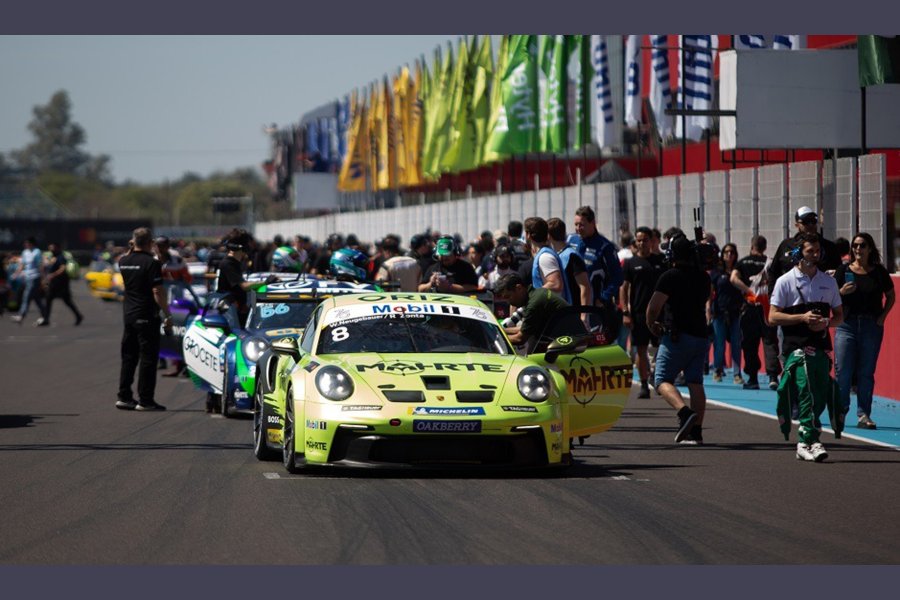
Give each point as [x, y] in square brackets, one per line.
[289, 427]
[226, 395]
[260, 442]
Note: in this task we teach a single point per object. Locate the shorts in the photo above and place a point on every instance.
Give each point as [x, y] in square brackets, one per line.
[640, 333]
[688, 354]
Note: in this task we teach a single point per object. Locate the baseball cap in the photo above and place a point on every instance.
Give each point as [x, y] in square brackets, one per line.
[162, 240]
[805, 213]
[446, 246]
[417, 241]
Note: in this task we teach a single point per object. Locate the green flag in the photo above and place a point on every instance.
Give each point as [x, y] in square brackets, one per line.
[442, 91]
[480, 108]
[517, 129]
[496, 101]
[552, 77]
[879, 59]
[429, 94]
[580, 72]
[458, 112]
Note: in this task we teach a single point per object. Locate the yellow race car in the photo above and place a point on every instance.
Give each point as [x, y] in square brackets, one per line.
[104, 280]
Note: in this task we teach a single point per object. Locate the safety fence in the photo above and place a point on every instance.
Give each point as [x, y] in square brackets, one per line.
[849, 194]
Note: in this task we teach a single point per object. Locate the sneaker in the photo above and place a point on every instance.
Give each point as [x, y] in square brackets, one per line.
[694, 438]
[717, 377]
[41, 322]
[151, 406]
[866, 423]
[686, 418]
[804, 452]
[126, 404]
[78, 320]
[644, 393]
[738, 380]
[773, 383]
[17, 319]
[818, 452]
[751, 385]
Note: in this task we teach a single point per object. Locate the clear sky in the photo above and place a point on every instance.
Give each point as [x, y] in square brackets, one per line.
[161, 106]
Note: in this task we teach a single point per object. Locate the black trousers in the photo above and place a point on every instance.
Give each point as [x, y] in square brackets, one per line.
[754, 330]
[140, 351]
[64, 293]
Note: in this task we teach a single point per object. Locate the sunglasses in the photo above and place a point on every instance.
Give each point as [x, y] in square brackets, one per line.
[860, 245]
[809, 221]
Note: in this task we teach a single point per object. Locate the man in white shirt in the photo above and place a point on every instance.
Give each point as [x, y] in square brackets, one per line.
[31, 267]
[403, 270]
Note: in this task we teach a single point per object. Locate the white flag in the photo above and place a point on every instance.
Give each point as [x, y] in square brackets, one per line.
[788, 42]
[602, 113]
[696, 81]
[633, 80]
[660, 87]
[749, 42]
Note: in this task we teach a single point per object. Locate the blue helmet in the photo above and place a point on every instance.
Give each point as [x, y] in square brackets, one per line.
[286, 260]
[347, 262]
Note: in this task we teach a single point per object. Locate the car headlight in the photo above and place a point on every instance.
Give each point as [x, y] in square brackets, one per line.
[334, 383]
[254, 347]
[534, 384]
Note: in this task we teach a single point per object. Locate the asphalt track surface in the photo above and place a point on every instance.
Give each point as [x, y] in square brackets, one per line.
[86, 484]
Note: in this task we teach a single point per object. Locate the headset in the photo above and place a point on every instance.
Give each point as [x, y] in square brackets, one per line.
[796, 254]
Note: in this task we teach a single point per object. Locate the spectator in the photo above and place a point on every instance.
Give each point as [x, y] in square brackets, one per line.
[547, 269]
[321, 267]
[807, 221]
[503, 264]
[420, 249]
[144, 299]
[726, 310]
[450, 273]
[517, 244]
[805, 302]
[58, 282]
[31, 268]
[404, 270]
[750, 277]
[842, 245]
[604, 269]
[683, 291]
[867, 294]
[573, 265]
[475, 254]
[641, 273]
[626, 246]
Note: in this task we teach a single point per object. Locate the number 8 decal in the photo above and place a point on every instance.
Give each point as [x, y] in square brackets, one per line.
[339, 334]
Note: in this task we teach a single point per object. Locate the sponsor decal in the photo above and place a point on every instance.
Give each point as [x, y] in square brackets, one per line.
[447, 426]
[313, 445]
[268, 310]
[406, 298]
[413, 368]
[273, 420]
[281, 332]
[555, 427]
[274, 436]
[564, 340]
[450, 310]
[342, 313]
[480, 314]
[204, 356]
[312, 366]
[241, 395]
[360, 407]
[556, 447]
[435, 410]
[521, 409]
[312, 424]
[404, 308]
[585, 380]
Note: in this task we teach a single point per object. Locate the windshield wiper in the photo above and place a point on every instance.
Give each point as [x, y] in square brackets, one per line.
[409, 331]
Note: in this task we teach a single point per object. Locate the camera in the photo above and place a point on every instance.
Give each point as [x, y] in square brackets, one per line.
[703, 256]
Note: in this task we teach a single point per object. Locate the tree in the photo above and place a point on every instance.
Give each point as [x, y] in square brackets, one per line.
[57, 143]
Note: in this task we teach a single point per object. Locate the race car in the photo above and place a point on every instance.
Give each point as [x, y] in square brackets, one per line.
[184, 306]
[407, 380]
[221, 353]
[104, 280]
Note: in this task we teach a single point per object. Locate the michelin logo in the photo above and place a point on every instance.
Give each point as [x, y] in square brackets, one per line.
[430, 410]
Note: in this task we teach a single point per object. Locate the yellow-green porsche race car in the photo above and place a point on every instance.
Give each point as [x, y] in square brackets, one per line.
[402, 380]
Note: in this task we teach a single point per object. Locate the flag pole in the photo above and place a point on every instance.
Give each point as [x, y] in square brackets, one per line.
[862, 92]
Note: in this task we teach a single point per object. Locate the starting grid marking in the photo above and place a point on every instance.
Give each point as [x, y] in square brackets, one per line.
[273, 475]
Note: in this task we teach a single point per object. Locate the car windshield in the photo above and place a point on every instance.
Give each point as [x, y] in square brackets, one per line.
[280, 314]
[412, 333]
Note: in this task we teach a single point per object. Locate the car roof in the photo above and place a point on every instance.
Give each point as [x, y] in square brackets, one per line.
[316, 289]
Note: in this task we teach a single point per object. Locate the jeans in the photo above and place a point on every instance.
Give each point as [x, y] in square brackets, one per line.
[34, 292]
[688, 354]
[730, 330]
[857, 342]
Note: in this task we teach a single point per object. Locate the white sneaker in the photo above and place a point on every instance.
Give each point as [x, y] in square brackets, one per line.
[818, 452]
[804, 452]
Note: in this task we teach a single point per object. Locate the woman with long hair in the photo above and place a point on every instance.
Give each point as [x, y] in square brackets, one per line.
[726, 309]
[868, 296]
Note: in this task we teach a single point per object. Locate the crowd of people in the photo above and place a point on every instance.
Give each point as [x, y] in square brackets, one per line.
[668, 298]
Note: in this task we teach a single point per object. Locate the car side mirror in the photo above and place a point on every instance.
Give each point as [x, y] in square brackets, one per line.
[286, 347]
[564, 344]
[213, 320]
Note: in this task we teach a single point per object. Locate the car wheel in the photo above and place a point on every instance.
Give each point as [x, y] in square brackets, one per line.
[212, 402]
[260, 444]
[224, 405]
[289, 455]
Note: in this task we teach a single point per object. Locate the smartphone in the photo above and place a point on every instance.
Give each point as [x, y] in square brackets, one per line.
[849, 277]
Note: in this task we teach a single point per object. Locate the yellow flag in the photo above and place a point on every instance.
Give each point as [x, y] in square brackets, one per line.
[496, 102]
[414, 141]
[372, 146]
[384, 172]
[400, 122]
[352, 177]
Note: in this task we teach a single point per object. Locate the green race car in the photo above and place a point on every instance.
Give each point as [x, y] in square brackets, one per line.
[428, 380]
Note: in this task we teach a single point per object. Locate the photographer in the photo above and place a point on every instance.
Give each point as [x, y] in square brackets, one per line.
[805, 303]
[231, 278]
[684, 292]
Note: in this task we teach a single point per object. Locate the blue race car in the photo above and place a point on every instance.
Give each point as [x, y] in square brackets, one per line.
[221, 353]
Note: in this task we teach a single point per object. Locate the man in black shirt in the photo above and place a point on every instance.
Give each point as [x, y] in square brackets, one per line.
[58, 282]
[420, 249]
[640, 272]
[144, 298]
[684, 291]
[231, 277]
[450, 273]
[749, 276]
[807, 222]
